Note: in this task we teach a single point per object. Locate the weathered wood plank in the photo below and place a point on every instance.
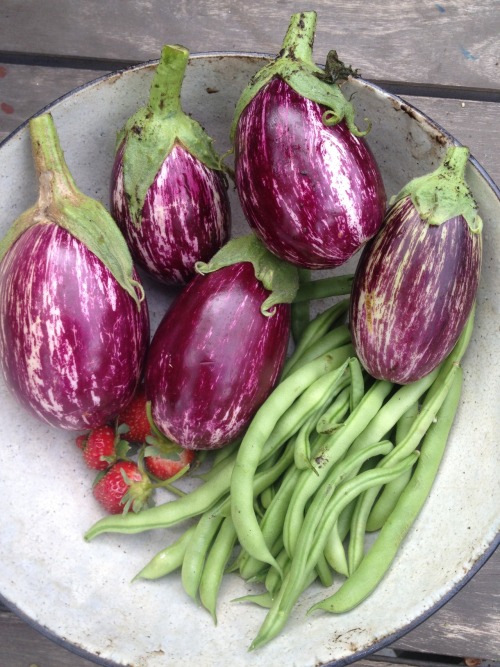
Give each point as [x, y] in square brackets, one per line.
[25, 90]
[448, 43]
[468, 625]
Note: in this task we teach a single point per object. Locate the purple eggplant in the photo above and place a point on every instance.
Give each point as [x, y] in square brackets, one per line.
[307, 180]
[168, 188]
[220, 348]
[416, 281]
[74, 324]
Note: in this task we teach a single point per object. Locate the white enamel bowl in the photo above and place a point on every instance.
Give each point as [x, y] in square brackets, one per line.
[80, 594]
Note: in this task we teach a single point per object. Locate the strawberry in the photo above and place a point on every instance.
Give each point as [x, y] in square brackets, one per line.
[122, 487]
[164, 460]
[81, 440]
[103, 447]
[135, 416]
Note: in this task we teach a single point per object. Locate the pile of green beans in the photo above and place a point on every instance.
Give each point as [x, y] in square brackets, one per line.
[331, 455]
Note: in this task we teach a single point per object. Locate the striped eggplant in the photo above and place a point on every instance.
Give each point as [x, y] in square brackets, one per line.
[307, 180]
[74, 324]
[168, 189]
[416, 281]
[221, 346]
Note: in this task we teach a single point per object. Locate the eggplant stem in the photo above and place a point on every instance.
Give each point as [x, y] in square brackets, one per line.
[165, 93]
[299, 38]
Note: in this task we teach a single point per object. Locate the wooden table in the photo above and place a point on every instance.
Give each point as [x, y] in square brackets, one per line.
[443, 57]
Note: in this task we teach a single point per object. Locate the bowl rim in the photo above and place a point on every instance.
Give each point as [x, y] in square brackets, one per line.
[495, 542]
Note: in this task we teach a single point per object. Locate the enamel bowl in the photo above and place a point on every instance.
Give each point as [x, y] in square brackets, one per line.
[80, 594]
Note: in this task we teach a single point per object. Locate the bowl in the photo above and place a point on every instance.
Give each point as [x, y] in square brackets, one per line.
[80, 594]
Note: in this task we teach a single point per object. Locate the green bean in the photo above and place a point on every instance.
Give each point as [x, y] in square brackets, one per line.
[250, 452]
[219, 464]
[197, 549]
[313, 399]
[343, 469]
[167, 560]
[316, 329]
[334, 449]
[381, 554]
[336, 338]
[388, 498]
[324, 572]
[355, 551]
[332, 418]
[323, 288]
[215, 565]
[272, 522]
[334, 547]
[432, 402]
[405, 422]
[335, 552]
[170, 513]
[261, 599]
[267, 496]
[347, 492]
[300, 310]
[357, 383]
[302, 443]
[273, 578]
[388, 415]
[311, 544]
[224, 452]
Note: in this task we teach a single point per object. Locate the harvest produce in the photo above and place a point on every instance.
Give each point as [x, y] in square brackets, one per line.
[308, 183]
[303, 456]
[416, 281]
[102, 447]
[281, 505]
[74, 325]
[122, 486]
[219, 349]
[168, 188]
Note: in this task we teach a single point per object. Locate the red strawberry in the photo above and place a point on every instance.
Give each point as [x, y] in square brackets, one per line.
[164, 461]
[122, 487]
[103, 447]
[81, 440]
[135, 416]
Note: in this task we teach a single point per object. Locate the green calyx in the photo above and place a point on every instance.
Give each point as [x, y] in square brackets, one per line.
[444, 194]
[60, 202]
[277, 276]
[151, 133]
[294, 65]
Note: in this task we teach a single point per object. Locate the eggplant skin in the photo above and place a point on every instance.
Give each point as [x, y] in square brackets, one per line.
[72, 340]
[413, 290]
[215, 358]
[313, 194]
[185, 218]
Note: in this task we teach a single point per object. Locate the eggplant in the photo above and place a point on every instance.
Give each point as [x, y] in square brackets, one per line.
[168, 186]
[307, 181]
[416, 282]
[74, 324]
[221, 346]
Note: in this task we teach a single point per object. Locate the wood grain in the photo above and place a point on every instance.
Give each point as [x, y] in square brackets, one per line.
[449, 43]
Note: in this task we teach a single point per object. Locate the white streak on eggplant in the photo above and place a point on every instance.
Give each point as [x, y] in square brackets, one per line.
[185, 217]
[72, 341]
[215, 357]
[313, 193]
[414, 288]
